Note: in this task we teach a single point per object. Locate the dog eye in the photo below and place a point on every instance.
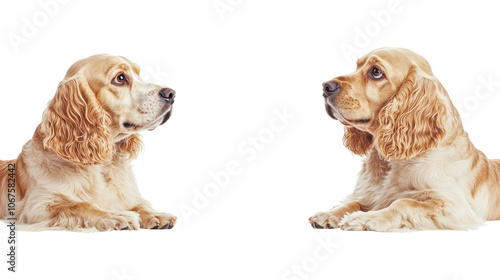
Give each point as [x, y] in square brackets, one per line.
[120, 79]
[376, 74]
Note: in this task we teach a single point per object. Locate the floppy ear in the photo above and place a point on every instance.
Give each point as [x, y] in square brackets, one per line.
[359, 142]
[412, 123]
[130, 147]
[75, 125]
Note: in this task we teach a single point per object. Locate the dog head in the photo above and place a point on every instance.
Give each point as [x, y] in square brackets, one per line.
[98, 109]
[391, 102]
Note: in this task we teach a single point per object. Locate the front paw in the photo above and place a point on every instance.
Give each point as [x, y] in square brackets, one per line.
[374, 221]
[329, 219]
[118, 220]
[158, 221]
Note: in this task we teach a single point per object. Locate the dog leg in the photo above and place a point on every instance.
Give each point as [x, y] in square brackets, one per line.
[73, 215]
[402, 214]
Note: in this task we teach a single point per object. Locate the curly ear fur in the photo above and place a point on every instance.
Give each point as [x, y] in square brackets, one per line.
[412, 123]
[359, 142]
[75, 125]
[130, 147]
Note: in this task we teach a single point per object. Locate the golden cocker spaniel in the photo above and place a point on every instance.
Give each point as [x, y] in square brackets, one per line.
[421, 171]
[75, 172]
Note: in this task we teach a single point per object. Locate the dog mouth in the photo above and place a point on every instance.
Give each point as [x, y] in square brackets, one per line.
[359, 121]
[330, 112]
[167, 116]
[164, 118]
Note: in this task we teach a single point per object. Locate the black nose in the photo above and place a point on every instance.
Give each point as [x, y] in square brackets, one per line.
[330, 88]
[168, 95]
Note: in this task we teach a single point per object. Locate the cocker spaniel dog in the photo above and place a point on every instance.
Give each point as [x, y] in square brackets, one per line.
[75, 172]
[421, 171]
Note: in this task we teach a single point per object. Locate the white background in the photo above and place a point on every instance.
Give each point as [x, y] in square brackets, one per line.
[231, 71]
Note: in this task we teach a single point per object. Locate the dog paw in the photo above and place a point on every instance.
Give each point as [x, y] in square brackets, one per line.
[363, 221]
[119, 220]
[329, 219]
[158, 221]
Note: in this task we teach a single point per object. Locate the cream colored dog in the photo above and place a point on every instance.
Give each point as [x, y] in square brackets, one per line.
[75, 172]
[421, 171]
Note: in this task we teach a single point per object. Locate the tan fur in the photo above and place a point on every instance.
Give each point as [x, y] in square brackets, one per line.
[412, 123]
[76, 126]
[130, 147]
[359, 142]
[421, 170]
[75, 172]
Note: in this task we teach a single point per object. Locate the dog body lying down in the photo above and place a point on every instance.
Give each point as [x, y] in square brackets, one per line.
[75, 172]
[421, 171]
